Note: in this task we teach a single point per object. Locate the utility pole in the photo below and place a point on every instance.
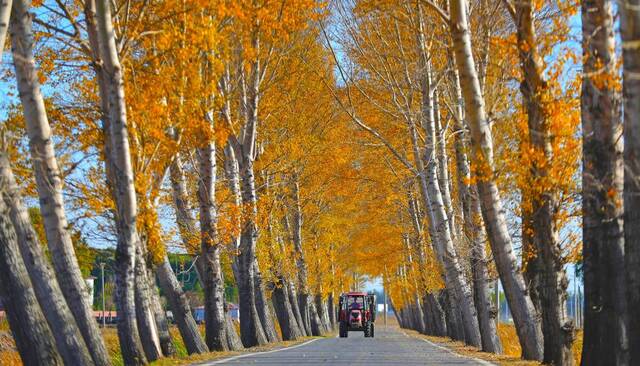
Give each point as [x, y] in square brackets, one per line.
[104, 321]
[498, 300]
[384, 308]
[384, 296]
[575, 296]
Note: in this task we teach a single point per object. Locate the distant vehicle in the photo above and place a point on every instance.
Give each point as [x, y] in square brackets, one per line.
[357, 313]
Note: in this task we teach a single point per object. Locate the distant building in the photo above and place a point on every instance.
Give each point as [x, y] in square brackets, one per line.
[111, 317]
[234, 312]
[198, 314]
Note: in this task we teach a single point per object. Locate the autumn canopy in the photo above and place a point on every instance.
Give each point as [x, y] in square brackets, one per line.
[293, 150]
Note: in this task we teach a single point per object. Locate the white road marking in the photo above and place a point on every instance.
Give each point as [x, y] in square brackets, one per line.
[219, 362]
[482, 362]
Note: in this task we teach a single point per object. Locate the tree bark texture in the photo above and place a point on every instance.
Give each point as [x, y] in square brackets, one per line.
[5, 12]
[69, 341]
[179, 305]
[147, 326]
[49, 182]
[212, 278]
[284, 311]
[524, 314]
[630, 30]
[557, 328]
[34, 339]
[605, 328]
[474, 231]
[124, 192]
[307, 305]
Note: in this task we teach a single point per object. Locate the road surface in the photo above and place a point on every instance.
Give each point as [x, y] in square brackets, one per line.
[389, 347]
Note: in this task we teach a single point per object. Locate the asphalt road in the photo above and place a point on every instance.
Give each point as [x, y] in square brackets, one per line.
[389, 347]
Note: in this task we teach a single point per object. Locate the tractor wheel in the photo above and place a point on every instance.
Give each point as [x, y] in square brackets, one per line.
[367, 330]
[373, 328]
[344, 333]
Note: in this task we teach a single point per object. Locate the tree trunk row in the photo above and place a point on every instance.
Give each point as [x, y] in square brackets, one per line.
[524, 314]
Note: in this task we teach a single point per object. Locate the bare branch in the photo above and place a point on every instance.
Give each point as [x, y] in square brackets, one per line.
[438, 9]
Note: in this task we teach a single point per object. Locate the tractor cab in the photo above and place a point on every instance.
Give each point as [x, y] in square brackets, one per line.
[357, 313]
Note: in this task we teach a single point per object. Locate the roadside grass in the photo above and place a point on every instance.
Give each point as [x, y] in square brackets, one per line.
[510, 345]
[9, 355]
[509, 338]
[182, 357]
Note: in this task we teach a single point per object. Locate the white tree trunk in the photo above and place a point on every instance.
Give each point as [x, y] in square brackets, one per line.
[414, 301]
[187, 228]
[5, 13]
[308, 308]
[442, 157]
[295, 307]
[124, 192]
[34, 339]
[433, 316]
[524, 314]
[251, 331]
[459, 288]
[213, 281]
[68, 338]
[179, 305]
[184, 219]
[147, 327]
[474, 230]
[49, 182]
[280, 297]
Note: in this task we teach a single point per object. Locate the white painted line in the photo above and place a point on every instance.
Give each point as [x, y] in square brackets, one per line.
[481, 362]
[219, 362]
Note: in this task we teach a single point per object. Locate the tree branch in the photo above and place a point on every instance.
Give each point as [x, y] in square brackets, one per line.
[438, 10]
[510, 8]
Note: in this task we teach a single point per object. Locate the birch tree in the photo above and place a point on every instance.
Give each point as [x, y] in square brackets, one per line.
[308, 309]
[438, 214]
[605, 326]
[186, 227]
[5, 12]
[120, 161]
[213, 281]
[69, 342]
[404, 92]
[552, 283]
[630, 31]
[181, 309]
[474, 228]
[49, 182]
[524, 314]
[32, 335]
[603, 249]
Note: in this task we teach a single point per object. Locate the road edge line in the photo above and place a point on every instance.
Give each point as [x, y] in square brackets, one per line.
[221, 361]
[480, 361]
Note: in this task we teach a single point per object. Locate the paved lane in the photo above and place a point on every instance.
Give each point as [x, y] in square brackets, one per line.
[389, 347]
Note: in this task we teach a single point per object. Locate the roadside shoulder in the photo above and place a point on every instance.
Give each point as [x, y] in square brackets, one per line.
[461, 350]
[215, 358]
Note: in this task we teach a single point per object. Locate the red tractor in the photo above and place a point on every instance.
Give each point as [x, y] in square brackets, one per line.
[357, 313]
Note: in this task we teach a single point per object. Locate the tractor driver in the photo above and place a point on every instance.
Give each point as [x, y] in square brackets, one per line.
[356, 303]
